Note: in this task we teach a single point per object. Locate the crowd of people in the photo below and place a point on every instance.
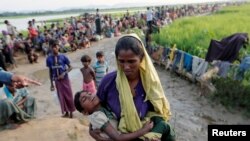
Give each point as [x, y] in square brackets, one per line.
[78, 32]
[127, 104]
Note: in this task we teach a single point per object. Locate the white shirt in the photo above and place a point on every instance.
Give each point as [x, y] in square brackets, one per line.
[149, 15]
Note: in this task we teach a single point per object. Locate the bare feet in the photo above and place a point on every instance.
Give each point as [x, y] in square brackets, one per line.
[70, 115]
[66, 115]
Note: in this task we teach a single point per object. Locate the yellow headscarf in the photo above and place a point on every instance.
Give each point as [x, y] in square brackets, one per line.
[130, 120]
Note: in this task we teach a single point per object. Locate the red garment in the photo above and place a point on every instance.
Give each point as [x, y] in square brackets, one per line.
[32, 32]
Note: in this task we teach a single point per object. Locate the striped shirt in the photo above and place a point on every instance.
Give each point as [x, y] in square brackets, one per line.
[100, 71]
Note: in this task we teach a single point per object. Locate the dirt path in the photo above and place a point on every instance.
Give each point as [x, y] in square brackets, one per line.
[190, 113]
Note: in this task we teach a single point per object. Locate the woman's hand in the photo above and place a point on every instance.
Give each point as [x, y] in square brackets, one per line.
[147, 127]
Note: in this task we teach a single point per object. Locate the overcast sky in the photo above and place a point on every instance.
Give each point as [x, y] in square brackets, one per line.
[33, 5]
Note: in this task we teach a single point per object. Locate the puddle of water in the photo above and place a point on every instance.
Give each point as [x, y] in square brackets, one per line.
[41, 75]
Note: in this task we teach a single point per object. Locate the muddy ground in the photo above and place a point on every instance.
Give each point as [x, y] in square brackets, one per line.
[191, 113]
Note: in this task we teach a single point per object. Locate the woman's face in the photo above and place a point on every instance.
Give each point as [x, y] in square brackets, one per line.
[129, 63]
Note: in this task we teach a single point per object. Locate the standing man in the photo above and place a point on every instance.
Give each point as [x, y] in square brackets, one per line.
[10, 28]
[98, 22]
[149, 15]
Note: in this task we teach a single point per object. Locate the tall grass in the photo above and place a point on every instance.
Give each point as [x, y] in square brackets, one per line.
[193, 34]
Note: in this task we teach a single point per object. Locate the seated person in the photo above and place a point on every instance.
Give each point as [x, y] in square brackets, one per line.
[85, 42]
[9, 113]
[46, 48]
[73, 47]
[8, 110]
[109, 32]
[19, 42]
[117, 31]
[32, 56]
[103, 119]
[89, 33]
[15, 107]
[19, 97]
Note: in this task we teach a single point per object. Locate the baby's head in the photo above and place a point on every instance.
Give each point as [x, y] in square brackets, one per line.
[85, 102]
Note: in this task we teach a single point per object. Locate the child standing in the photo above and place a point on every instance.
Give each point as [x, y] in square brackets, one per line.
[88, 75]
[100, 67]
[59, 66]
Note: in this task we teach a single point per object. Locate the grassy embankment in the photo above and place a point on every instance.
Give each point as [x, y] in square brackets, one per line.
[193, 35]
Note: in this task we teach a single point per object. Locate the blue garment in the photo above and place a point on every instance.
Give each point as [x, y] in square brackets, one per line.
[244, 66]
[224, 67]
[109, 96]
[177, 59]
[165, 54]
[40, 39]
[8, 93]
[60, 67]
[5, 77]
[100, 71]
[188, 61]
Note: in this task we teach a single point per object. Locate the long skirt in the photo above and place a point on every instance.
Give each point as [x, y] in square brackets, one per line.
[98, 26]
[65, 95]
